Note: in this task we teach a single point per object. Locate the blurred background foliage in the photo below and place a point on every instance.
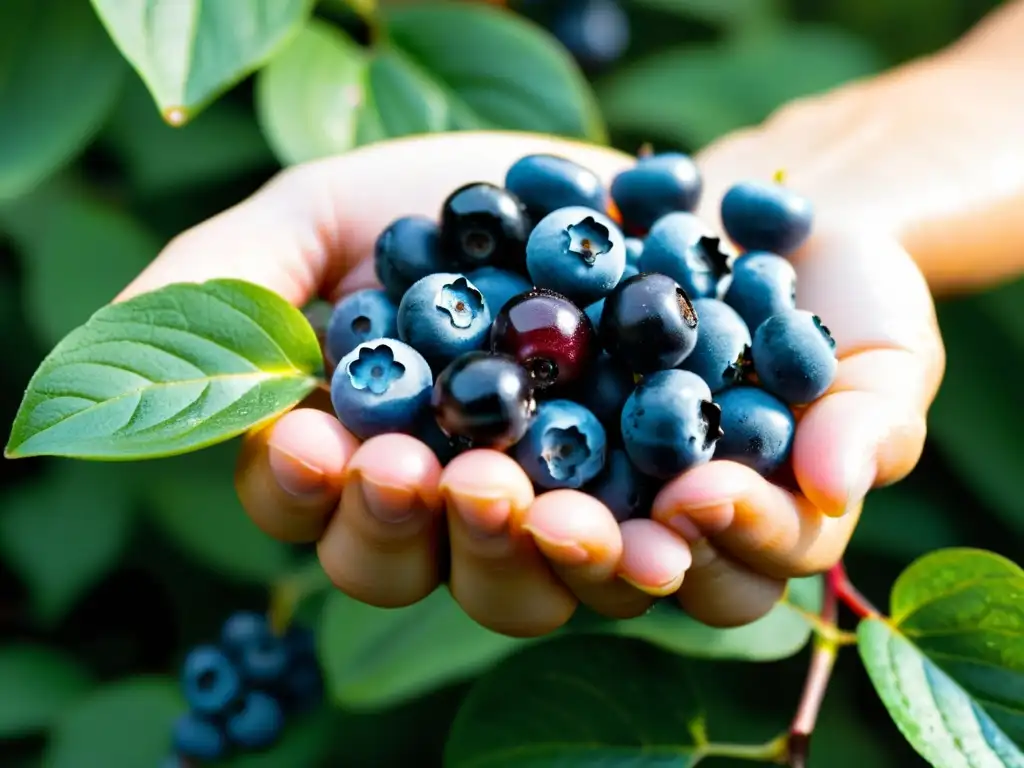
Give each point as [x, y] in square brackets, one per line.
[108, 572]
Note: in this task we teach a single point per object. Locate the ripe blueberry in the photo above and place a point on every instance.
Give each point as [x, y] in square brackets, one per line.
[656, 186]
[257, 723]
[565, 446]
[794, 356]
[265, 662]
[360, 316]
[604, 391]
[429, 432]
[622, 488]
[210, 682]
[442, 316]
[758, 429]
[722, 339]
[406, 251]
[196, 738]
[381, 386]
[683, 247]
[484, 400]
[634, 250]
[761, 285]
[577, 252]
[648, 323]
[763, 216]
[595, 32]
[498, 286]
[549, 335]
[545, 183]
[483, 224]
[670, 424]
[240, 630]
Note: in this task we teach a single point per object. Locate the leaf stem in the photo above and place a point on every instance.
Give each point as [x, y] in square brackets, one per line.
[848, 594]
[287, 594]
[773, 751]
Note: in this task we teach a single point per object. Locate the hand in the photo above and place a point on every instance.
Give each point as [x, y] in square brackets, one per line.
[721, 538]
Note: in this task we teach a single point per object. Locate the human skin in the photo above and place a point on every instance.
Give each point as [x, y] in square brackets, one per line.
[917, 178]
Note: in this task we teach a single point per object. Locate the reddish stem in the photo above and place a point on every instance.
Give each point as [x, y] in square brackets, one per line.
[848, 594]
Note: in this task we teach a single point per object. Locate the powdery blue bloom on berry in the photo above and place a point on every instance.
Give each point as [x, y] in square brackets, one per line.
[565, 447]
[545, 183]
[498, 286]
[722, 341]
[258, 723]
[443, 316]
[655, 187]
[758, 429]
[407, 250]
[197, 738]
[766, 216]
[209, 680]
[794, 356]
[360, 316]
[622, 488]
[762, 284]
[683, 247]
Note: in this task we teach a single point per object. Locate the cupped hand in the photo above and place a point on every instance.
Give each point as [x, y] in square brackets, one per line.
[390, 523]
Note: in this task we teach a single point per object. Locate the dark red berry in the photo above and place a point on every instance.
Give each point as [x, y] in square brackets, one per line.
[549, 335]
[484, 225]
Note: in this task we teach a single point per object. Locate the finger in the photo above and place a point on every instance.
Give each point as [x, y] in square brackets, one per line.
[654, 558]
[498, 575]
[381, 546]
[289, 474]
[302, 233]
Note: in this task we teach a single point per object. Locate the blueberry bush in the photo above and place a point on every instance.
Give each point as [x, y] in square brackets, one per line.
[130, 593]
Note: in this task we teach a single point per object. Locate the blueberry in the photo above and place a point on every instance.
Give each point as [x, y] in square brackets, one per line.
[595, 32]
[648, 323]
[655, 187]
[483, 224]
[549, 335]
[682, 246]
[360, 316]
[762, 284]
[604, 392]
[545, 183]
[241, 629]
[196, 738]
[265, 662]
[257, 723]
[758, 429]
[428, 432]
[498, 286]
[670, 424]
[300, 642]
[442, 316]
[722, 340]
[577, 252]
[622, 488]
[794, 356]
[765, 216]
[406, 251]
[303, 688]
[484, 400]
[565, 446]
[634, 250]
[594, 312]
[209, 680]
[381, 386]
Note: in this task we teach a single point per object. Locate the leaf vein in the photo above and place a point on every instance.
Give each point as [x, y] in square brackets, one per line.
[957, 589]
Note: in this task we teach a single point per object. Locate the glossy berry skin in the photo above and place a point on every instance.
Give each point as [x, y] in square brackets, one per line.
[498, 286]
[577, 252]
[407, 250]
[242, 629]
[604, 391]
[634, 250]
[484, 401]
[545, 183]
[761, 285]
[655, 187]
[758, 429]
[765, 216]
[683, 247]
[595, 32]
[443, 316]
[622, 488]
[548, 335]
[196, 738]
[257, 723]
[722, 337]
[794, 356]
[649, 323]
[565, 446]
[379, 387]
[670, 424]
[483, 224]
[360, 316]
[209, 680]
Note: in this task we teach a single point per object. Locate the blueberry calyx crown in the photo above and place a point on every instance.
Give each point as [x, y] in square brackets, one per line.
[718, 259]
[461, 301]
[588, 239]
[375, 369]
[741, 368]
[686, 308]
[824, 331]
[565, 450]
[711, 418]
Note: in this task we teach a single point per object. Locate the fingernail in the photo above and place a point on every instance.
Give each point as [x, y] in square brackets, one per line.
[859, 477]
[484, 518]
[388, 503]
[295, 476]
[567, 552]
[662, 590]
[702, 520]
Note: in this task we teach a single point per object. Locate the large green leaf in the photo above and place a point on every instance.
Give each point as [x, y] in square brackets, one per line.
[189, 51]
[376, 657]
[439, 67]
[39, 684]
[693, 95]
[65, 532]
[949, 664]
[59, 76]
[581, 701]
[126, 724]
[168, 372]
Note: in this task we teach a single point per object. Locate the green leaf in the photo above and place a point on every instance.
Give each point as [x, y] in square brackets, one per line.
[205, 518]
[949, 665]
[440, 67]
[581, 701]
[59, 76]
[63, 534]
[376, 657]
[778, 635]
[126, 724]
[735, 14]
[168, 372]
[695, 94]
[39, 685]
[189, 51]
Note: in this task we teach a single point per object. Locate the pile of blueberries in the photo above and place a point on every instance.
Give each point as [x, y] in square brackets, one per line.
[602, 337]
[241, 690]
